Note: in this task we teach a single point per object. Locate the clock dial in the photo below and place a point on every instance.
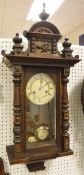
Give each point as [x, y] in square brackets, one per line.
[40, 89]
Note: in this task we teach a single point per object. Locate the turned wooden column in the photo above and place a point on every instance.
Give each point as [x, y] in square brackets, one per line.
[65, 111]
[18, 146]
[17, 111]
[2, 172]
[66, 53]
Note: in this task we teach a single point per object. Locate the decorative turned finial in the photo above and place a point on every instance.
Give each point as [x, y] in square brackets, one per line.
[67, 51]
[44, 7]
[17, 47]
[44, 15]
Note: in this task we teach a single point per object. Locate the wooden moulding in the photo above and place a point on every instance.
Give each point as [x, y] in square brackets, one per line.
[29, 158]
[42, 61]
[32, 166]
[66, 153]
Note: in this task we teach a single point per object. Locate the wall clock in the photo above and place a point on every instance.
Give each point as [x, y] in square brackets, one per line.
[41, 114]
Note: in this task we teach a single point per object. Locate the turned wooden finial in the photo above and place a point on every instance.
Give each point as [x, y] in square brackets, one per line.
[67, 51]
[44, 5]
[17, 47]
[44, 15]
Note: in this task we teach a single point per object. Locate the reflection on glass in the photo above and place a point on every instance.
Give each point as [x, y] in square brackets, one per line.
[40, 123]
[40, 110]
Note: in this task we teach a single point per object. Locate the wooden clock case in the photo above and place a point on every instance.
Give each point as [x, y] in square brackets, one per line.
[26, 62]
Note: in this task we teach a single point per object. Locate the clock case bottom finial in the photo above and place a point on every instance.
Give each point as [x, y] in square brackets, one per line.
[36, 166]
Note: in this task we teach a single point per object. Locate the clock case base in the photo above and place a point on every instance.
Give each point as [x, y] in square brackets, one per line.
[36, 165]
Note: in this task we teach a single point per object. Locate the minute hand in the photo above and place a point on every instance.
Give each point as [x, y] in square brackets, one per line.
[44, 85]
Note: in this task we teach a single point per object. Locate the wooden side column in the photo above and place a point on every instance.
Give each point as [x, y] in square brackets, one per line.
[65, 111]
[18, 147]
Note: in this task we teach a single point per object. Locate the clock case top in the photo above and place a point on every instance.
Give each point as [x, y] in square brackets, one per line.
[55, 62]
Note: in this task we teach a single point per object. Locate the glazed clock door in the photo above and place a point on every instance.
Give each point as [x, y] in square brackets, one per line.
[40, 100]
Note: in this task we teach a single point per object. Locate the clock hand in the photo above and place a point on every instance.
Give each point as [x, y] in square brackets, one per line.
[41, 81]
[44, 85]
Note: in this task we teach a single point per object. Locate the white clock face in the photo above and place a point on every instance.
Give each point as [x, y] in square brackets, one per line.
[40, 89]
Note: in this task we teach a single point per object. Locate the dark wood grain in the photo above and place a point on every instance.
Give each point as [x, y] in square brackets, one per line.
[36, 166]
[65, 110]
[18, 144]
[50, 61]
